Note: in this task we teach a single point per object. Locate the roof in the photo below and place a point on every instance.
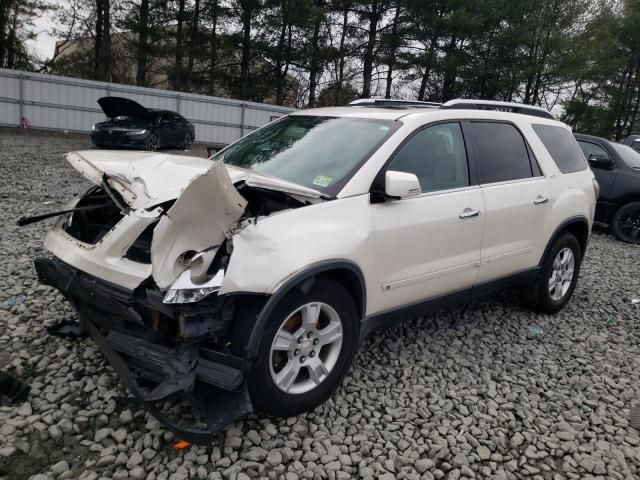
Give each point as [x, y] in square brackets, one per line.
[385, 109]
[355, 111]
[584, 136]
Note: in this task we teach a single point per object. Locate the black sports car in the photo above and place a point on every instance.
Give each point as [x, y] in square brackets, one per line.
[131, 125]
[617, 169]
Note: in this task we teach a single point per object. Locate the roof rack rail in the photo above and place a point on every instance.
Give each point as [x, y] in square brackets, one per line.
[499, 106]
[392, 103]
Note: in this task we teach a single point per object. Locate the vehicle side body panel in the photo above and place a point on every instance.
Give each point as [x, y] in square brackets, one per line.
[619, 185]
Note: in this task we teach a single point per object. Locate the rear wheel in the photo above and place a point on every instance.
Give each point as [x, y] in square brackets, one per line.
[557, 278]
[305, 350]
[151, 142]
[625, 223]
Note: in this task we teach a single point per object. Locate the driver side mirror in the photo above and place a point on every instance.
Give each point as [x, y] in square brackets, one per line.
[600, 161]
[400, 185]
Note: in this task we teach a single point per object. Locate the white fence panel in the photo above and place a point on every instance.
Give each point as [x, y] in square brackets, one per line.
[50, 102]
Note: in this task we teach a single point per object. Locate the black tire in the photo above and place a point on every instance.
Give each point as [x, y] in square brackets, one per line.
[151, 142]
[188, 141]
[537, 296]
[266, 395]
[625, 223]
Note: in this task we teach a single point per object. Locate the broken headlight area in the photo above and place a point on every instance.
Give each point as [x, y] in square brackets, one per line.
[91, 225]
[184, 290]
[161, 351]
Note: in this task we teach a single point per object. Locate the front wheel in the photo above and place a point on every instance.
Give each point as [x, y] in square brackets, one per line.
[625, 223]
[305, 350]
[557, 277]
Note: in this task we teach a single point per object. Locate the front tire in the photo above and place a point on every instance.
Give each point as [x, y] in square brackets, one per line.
[557, 277]
[625, 223]
[305, 350]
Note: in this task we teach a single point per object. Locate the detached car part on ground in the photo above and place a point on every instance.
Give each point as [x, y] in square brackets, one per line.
[131, 125]
[248, 281]
[617, 169]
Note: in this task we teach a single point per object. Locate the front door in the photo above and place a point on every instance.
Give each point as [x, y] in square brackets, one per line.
[428, 245]
[606, 177]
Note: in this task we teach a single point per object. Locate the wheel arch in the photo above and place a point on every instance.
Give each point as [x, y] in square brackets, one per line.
[344, 272]
[578, 227]
[622, 201]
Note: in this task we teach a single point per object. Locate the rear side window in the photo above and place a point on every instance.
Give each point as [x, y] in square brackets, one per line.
[502, 152]
[562, 147]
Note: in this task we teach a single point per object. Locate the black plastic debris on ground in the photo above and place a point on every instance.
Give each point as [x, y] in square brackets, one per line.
[67, 329]
[12, 390]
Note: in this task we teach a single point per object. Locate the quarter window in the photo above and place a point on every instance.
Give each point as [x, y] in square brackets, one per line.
[502, 152]
[437, 156]
[561, 145]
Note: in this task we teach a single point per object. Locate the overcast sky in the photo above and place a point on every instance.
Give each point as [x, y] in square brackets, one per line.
[45, 44]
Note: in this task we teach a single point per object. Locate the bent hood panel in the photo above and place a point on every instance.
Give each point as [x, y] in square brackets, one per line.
[196, 221]
[146, 179]
[119, 106]
[143, 179]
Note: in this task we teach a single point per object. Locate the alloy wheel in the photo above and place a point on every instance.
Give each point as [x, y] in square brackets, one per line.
[305, 348]
[628, 225]
[151, 142]
[188, 141]
[562, 274]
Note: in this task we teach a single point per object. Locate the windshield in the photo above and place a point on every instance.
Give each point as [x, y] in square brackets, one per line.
[316, 152]
[628, 154]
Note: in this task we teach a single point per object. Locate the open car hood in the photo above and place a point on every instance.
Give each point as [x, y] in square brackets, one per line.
[119, 106]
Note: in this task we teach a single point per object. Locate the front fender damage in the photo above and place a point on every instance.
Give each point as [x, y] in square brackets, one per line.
[171, 228]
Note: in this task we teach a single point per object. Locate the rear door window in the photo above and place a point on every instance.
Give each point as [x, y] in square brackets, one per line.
[562, 147]
[502, 154]
[590, 148]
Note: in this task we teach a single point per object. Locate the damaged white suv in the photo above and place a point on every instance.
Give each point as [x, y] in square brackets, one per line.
[247, 281]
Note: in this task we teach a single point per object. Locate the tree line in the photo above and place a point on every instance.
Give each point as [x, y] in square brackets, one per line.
[580, 58]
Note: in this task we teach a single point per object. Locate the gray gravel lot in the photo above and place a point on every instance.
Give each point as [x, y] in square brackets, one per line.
[473, 392]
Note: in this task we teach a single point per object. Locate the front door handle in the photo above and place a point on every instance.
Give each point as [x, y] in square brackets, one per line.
[540, 200]
[468, 213]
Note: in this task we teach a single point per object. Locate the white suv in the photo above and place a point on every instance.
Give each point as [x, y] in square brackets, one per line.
[251, 278]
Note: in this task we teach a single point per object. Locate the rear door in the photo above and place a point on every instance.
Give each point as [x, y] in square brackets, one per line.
[428, 245]
[516, 197]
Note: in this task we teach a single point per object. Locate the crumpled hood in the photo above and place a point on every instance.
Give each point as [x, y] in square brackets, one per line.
[146, 179]
[207, 204]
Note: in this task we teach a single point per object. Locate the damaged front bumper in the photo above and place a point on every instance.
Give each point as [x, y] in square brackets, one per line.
[160, 352]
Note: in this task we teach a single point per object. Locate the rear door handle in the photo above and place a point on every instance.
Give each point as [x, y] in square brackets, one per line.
[468, 213]
[540, 200]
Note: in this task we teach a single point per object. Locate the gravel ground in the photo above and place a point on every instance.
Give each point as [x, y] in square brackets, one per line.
[486, 390]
